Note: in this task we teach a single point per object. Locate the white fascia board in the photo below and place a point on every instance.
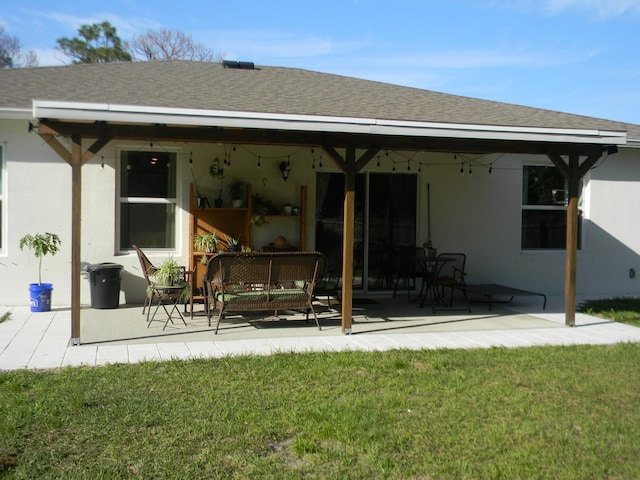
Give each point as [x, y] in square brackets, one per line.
[369, 126]
[17, 113]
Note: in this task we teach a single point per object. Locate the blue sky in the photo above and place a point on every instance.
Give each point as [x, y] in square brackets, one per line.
[577, 56]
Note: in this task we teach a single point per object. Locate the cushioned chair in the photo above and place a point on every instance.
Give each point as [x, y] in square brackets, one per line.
[450, 276]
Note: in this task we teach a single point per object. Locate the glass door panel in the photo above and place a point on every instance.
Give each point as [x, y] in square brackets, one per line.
[330, 221]
[391, 226]
[384, 224]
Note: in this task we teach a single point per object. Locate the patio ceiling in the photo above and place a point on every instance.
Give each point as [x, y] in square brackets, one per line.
[574, 143]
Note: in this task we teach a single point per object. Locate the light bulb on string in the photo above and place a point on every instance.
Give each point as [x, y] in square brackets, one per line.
[259, 164]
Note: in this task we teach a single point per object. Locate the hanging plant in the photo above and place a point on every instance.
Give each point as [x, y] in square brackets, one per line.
[260, 208]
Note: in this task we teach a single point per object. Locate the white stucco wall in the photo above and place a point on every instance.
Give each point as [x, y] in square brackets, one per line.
[478, 214]
[36, 175]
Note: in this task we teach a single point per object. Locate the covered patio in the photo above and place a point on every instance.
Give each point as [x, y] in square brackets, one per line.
[41, 340]
[350, 121]
[350, 143]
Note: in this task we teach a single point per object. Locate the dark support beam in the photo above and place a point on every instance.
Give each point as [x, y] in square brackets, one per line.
[573, 171]
[306, 138]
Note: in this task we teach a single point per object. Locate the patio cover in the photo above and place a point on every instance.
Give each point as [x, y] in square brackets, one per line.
[351, 119]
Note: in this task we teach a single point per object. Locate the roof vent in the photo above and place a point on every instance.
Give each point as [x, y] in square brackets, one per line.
[241, 65]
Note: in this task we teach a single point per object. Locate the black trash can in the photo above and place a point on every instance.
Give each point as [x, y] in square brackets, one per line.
[104, 279]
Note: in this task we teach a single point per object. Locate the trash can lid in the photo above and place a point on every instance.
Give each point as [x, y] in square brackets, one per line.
[104, 266]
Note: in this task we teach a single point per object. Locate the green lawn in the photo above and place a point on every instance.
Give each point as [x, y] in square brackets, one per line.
[542, 412]
[620, 309]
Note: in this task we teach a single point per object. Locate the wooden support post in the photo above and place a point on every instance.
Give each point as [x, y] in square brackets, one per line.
[75, 159]
[350, 166]
[572, 244]
[348, 241]
[573, 171]
[76, 235]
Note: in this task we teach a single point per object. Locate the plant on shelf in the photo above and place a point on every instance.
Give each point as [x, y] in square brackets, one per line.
[232, 243]
[42, 244]
[170, 274]
[236, 192]
[260, 208]
[205, 242]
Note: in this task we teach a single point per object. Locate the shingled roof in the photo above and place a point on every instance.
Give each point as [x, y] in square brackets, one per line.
[276, 90]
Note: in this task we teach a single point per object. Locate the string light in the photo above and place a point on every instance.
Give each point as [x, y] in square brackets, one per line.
[259, 164]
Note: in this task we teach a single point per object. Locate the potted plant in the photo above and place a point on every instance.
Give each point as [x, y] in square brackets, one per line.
[236, 191]
[431, 252]
[260, 208]
[42, 244]
[232, 243]
[170, 274]
[205, 242]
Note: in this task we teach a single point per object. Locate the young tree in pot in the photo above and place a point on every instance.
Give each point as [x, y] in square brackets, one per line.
[42, 244]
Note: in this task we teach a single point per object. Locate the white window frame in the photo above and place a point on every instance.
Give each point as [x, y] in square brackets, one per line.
[559, 207]
[151, 200]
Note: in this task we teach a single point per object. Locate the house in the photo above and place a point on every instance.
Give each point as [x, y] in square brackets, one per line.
[382, 165]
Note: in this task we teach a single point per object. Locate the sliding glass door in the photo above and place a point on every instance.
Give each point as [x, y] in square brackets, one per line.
[385, 224]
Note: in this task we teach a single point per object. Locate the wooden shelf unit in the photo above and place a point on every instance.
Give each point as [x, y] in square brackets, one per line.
[234, 222]
[222, 222]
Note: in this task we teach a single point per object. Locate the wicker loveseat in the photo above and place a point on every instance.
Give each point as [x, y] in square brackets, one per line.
[261, 281]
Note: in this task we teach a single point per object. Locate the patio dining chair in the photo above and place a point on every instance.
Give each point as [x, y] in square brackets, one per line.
[328, 282]
[408, 265]
[153, 294]
[450, 276]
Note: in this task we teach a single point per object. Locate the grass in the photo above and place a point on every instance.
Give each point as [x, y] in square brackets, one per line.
[541, 412]
[620, 309]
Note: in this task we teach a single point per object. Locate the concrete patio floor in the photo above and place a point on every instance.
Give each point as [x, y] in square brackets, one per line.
[41, 340]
